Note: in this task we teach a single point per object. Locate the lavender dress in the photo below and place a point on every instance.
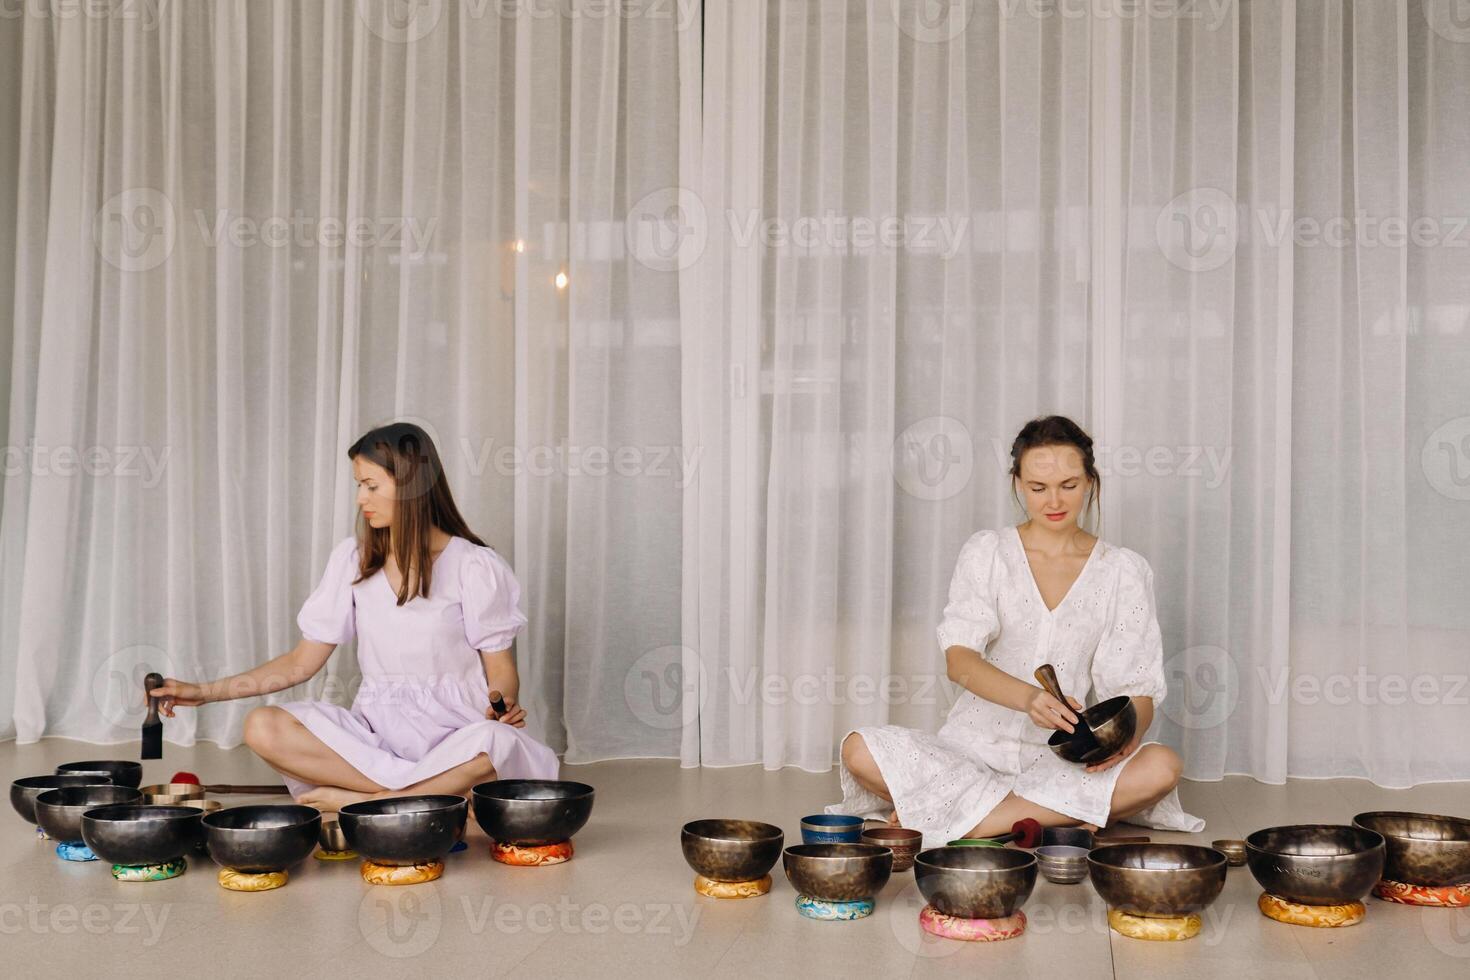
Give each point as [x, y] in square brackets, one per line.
[420, 709]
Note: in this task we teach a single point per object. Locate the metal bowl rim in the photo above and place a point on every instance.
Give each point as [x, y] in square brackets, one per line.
[867, 851]
[1220, 858]
[1029, 856]
[582, 790]
[777, 833]
[1251, 847]
[1418, 816]
[212, 823]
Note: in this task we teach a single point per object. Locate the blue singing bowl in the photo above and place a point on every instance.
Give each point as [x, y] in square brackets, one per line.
[831, 828]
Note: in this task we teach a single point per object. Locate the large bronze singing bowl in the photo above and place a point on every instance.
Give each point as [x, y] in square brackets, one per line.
[135, 833]
[404, 830]
[1157, 879]
[59, 811]
[1316, 864]
[1423, 848]
[837, 872]
[975, 882]
[1113, 723]
[23, 792]
[731, 850]
[262, 838]
[122, 772]
[532, 812]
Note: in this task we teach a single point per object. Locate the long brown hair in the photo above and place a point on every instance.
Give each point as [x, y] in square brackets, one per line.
[422, 502]
[1056, 430]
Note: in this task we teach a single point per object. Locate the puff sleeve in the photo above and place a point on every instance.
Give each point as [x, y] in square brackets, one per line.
[491, 598]
[969, 617]
[1130, 656]
[328, 615]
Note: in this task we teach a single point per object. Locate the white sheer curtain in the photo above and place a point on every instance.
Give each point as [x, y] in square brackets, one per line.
[724, 320]
[248, 231]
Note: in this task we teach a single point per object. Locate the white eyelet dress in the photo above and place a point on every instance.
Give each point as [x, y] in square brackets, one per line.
[1102, 636]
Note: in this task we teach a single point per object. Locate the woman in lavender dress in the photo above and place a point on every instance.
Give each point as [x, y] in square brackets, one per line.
[434, 612]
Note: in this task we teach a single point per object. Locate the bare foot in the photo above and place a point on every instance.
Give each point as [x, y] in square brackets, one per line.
[893, 819]
[330, 799]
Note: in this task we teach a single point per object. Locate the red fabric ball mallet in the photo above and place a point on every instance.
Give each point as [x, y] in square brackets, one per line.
[185, 777]
[1026, 832]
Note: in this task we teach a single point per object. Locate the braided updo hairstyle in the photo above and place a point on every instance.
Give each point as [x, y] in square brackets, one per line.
[1055, 430]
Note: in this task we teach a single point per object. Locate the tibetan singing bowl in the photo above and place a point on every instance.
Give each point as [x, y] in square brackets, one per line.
[1157, 879]
[1112, 723]
[731, 850]
[168, 793]
[136, 833]
[120, 771]
[404, 830]
[532, 812]
[331, 837]
[904, 843]
[838, 872]
[59, 811]
[23, 792]
[976, 882]
[1423, 848]
[261, 838]
[1316, 864]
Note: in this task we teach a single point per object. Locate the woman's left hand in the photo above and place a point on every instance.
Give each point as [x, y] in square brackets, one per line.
[515, 715]
[1116, 757]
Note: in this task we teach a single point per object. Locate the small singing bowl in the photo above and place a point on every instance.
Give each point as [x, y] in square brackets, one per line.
[262, 838]
[1068, 837]
[731, 850]
[1113, 723]
[532, 812]
[1061, 863]
[976, 882]
[331, 837]
[1234, 850]
[1423, 848]
[121, 771]
[166, 794]
[1157, 879]
[404, 830]
[904, 843]
[1316, 864]
[136, 833]
[831, 828]
[59, 811]
[23, 792]
[837, 872]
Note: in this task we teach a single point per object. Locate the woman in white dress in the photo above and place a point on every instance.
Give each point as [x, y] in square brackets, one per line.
[1043, 592]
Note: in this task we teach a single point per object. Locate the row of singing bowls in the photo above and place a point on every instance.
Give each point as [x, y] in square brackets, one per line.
[1113, 723]
[262, 838]
[137, 833]
[1316, 864]
[532, 812]
[1157, 879]
[731, 850]
[1422, 848]
[59, 811]
[120, 772]
[838, 872]
[975, 882]
[23, 792]
[404, 830]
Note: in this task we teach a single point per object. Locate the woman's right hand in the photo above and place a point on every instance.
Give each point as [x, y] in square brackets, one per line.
[1048, 712]
[175, 693]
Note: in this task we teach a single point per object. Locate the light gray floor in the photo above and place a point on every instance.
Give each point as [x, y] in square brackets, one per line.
[624, 906]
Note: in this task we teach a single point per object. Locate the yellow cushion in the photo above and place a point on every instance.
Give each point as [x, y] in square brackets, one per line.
[239, 881]
[1317, 916]
[408, 874]
[732, 889]
[1170, 928]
